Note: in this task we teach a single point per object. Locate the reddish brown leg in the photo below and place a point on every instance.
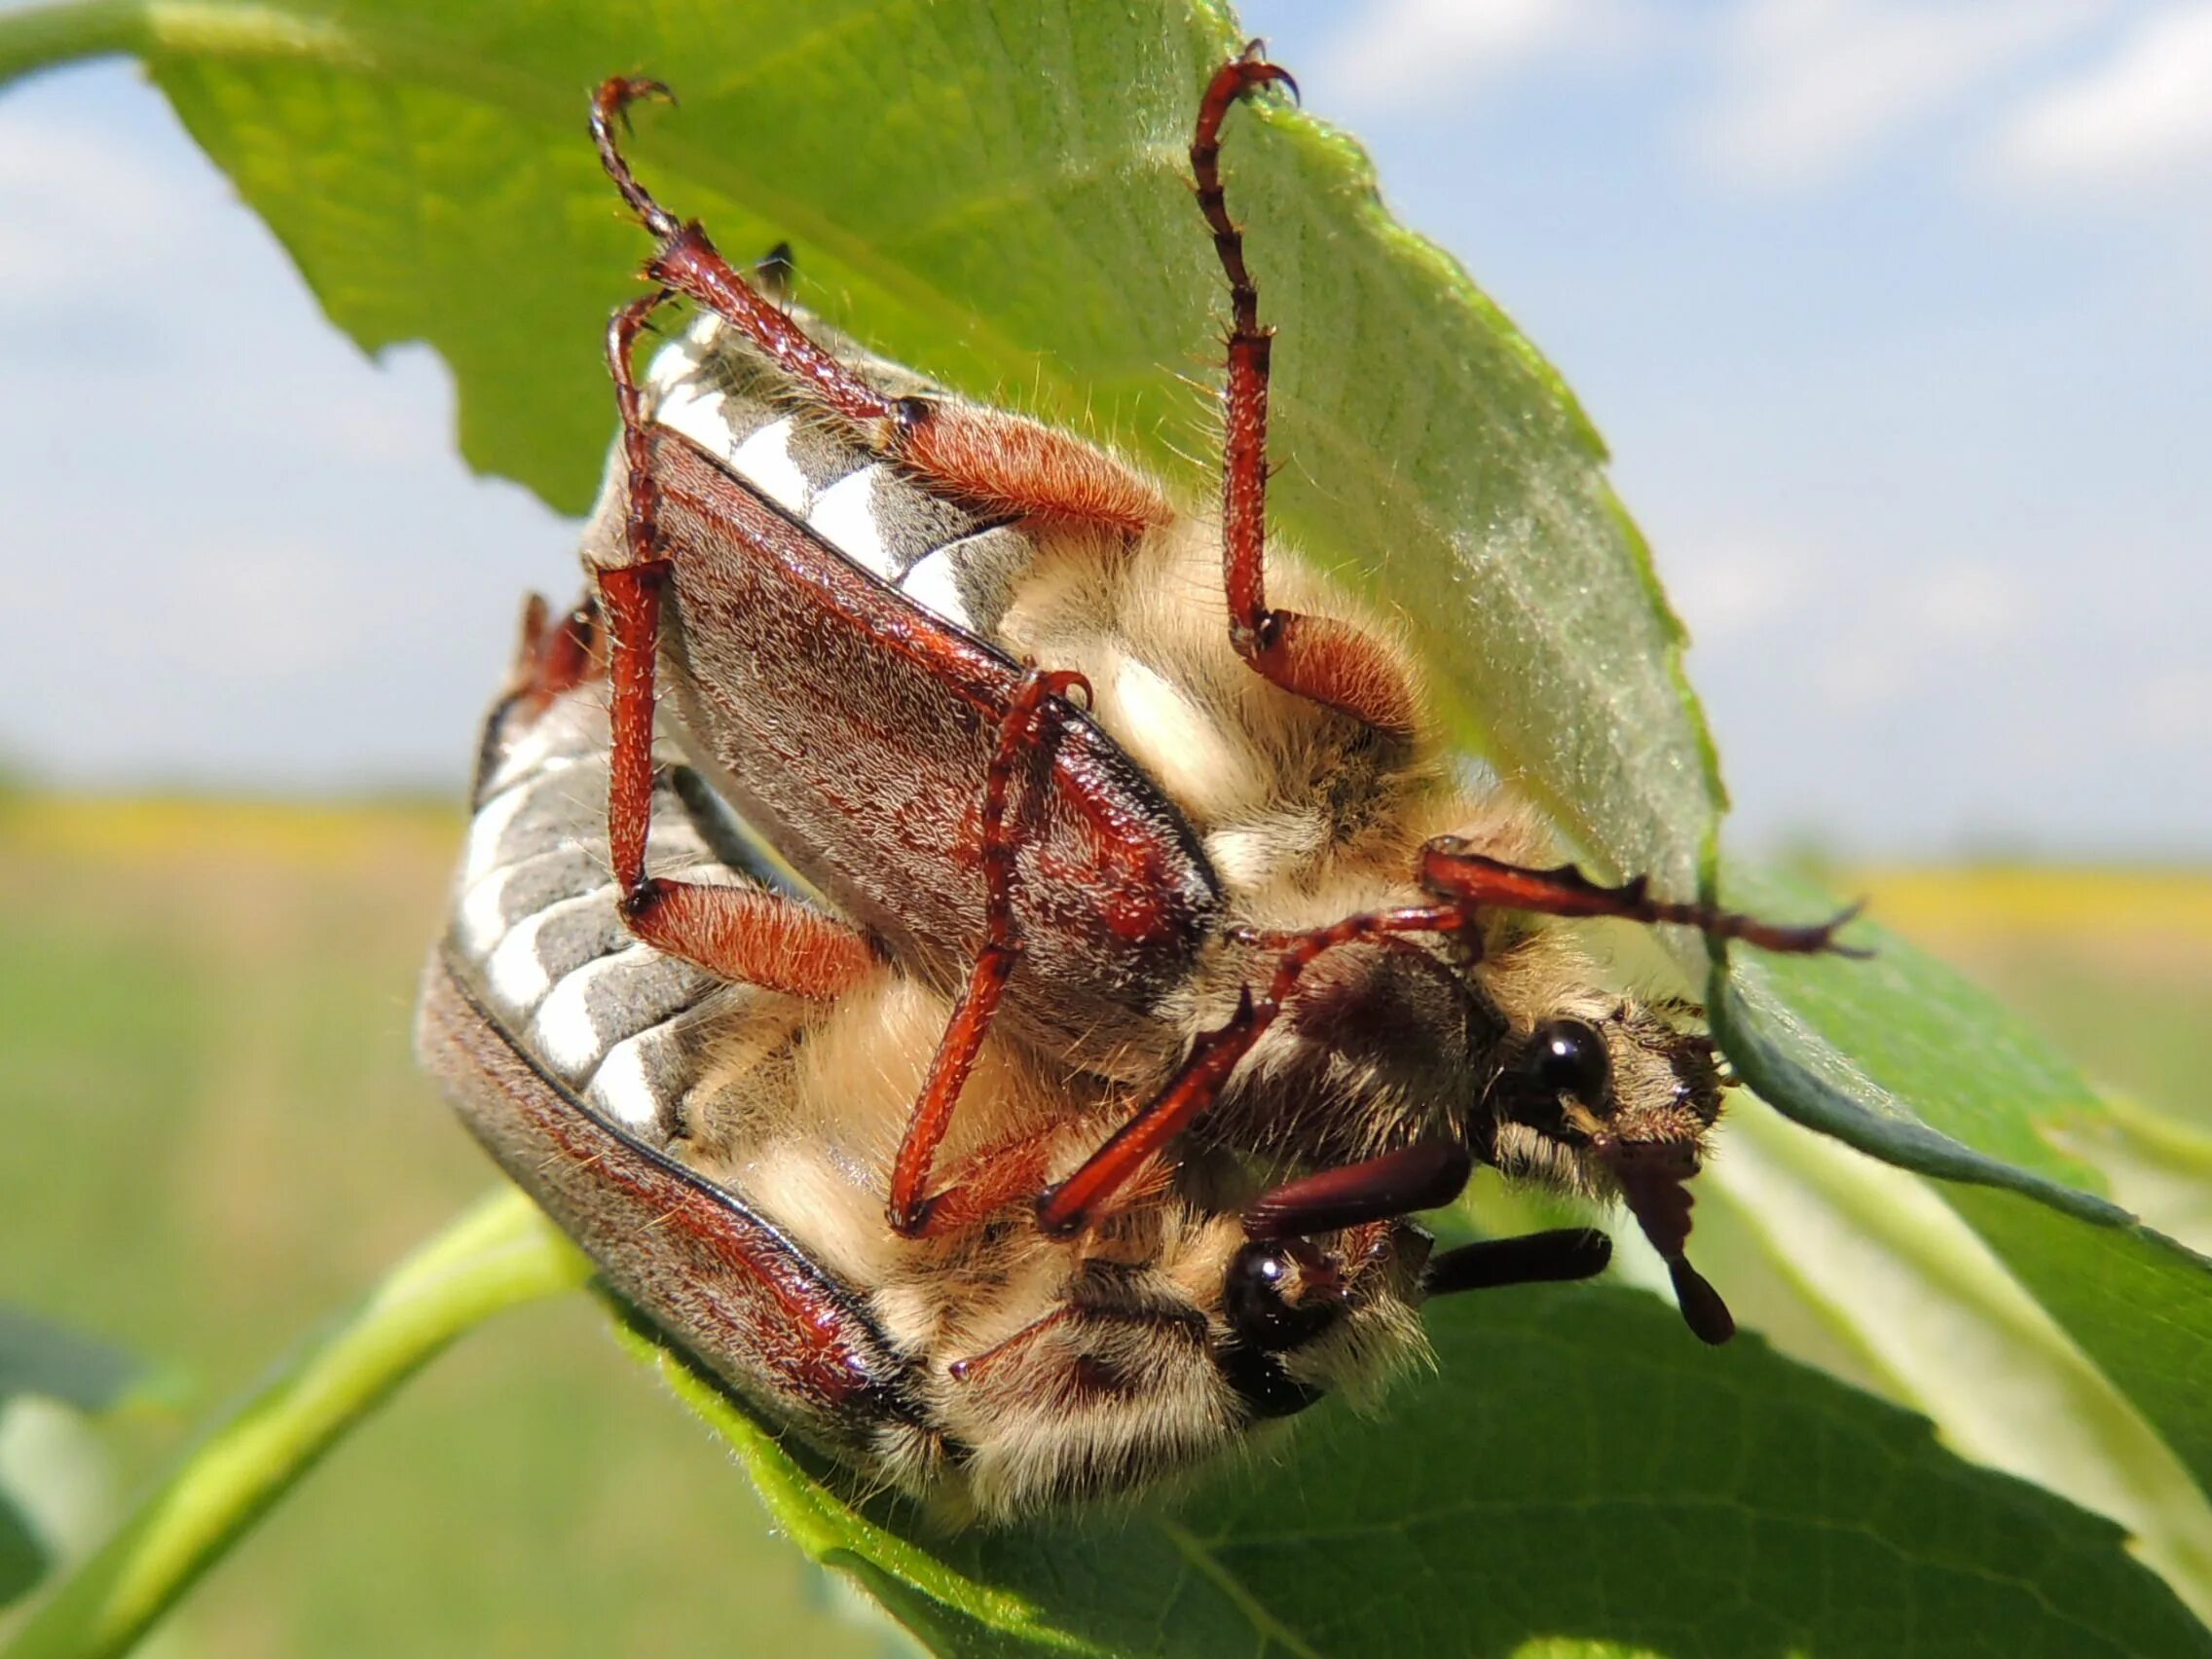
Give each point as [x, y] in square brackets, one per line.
[1089, 1374]
[1023, 737]
[1314, 657]
[550, 658]
[739, 933]
[1423, 1176]
[979, 1366]
[988, 1182]
[555, 658]
[999, 463]
[1452, 870]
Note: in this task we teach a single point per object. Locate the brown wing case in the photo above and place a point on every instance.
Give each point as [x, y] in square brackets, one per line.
[855, 729]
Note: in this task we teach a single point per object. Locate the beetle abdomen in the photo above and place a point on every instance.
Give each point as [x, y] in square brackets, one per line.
[957, 564]
[573, 1053]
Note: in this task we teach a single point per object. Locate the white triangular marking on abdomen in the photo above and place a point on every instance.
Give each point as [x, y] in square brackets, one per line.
[623, 1089]
[765, 462]
[516, 972]
[933, 584]
[699, 411]
[844, 516]
[486, 831]
[480, 920]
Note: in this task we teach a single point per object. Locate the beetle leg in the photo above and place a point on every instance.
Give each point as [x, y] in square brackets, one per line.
[1535, 1258]
[1454, 871]
[1423, 1176]
[552, 658]
[1001, 463]
[1075, 1202]
[1316, 657]
[1022, 740]
[739, 933]
[995, 1177]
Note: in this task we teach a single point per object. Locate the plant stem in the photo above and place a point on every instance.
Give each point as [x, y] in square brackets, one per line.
[500, 1254]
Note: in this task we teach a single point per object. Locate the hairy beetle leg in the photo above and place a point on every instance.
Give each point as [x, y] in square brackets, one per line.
[1073, 1205]
[1423, 1176]
[1316, 657]
[991, 1180]
[1024, 740]
[1084, 1195]
[553, 658]
[1453, 870]
[738, 934]
[999, 463]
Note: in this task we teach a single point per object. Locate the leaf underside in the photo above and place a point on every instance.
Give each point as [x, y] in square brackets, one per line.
[1902, 1057]
[22, 1556]
[38, 1356]
[1578, 1472]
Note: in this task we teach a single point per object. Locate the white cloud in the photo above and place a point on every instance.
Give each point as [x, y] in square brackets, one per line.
[2143, 116]
[1429, 54]
[1897, 639]
[1810, 87]
[2173, 707]
[1973, 605]
[1732, 590]
[72, 202]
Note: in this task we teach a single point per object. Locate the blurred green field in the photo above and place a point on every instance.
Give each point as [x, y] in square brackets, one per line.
[217, 1139]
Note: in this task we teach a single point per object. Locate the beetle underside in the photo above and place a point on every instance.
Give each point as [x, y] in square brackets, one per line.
[1060, 972]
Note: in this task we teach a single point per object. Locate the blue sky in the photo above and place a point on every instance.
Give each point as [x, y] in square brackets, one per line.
[1898, 318]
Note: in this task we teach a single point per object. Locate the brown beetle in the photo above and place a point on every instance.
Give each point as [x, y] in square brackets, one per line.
[720, 1149]
[1051, 745]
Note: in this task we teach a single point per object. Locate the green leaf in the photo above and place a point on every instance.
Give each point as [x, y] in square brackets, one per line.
[40, 1357]
[1929, 1315]
[22, 1556]
[501, 1254]
[1904, 1059]
[1579, 1475]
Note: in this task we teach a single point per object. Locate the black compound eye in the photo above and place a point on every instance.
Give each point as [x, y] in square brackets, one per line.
[1257, 1297]
[1267, 1389]
[1568, 1057]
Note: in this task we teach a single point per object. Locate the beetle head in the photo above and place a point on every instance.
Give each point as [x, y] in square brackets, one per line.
[1616, 1104]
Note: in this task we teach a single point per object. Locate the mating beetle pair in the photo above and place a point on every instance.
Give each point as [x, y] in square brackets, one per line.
[1064, 967]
